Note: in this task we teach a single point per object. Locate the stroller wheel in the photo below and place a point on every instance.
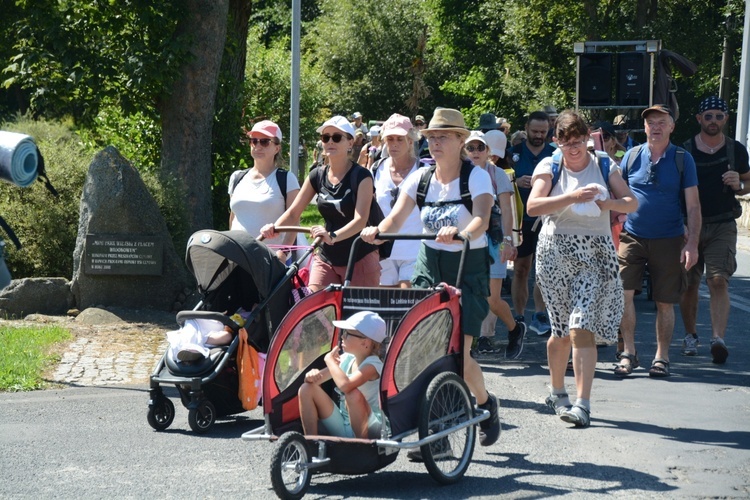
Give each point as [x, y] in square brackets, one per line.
[203, 417]
[290, 476]
[161, 414]
[447, 404]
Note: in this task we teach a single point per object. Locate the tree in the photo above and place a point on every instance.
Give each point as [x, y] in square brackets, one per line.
[187, 109]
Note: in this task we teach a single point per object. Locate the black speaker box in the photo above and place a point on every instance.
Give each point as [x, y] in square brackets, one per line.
[633, 79]
[595, 79]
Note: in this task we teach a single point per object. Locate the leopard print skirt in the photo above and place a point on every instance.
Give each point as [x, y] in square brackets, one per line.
[580, 282]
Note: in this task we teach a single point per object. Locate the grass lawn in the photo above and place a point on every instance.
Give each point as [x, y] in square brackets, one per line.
[311, 217]
[26, 354]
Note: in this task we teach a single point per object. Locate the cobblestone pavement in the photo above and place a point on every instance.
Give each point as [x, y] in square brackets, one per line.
[91, 361]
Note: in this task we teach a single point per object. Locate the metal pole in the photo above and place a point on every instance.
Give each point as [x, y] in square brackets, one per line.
[743, 104]
[294, 141]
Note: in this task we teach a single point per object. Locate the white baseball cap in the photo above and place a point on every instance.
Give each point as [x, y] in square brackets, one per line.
[368, 323]
[497, 142]
[338, 122]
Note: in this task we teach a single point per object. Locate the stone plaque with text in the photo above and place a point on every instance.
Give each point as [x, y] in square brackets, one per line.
[123, 254]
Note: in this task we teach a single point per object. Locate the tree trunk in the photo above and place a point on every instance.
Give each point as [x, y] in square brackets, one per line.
[645, 10]
[187, 112]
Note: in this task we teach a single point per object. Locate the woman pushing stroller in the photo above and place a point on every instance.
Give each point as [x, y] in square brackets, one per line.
[445, 213]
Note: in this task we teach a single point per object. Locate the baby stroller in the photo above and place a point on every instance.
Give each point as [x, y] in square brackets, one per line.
[422, 391]
[232, 270]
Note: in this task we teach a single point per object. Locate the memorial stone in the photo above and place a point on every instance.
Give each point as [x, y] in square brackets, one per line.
[124, 254]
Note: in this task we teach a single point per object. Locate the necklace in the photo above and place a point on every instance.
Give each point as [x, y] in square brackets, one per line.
[711, 150]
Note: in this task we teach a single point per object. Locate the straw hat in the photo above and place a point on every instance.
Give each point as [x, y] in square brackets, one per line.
[448, 120]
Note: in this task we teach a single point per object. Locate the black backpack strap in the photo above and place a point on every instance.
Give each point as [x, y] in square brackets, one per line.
[424, 184]
[466, 168]
[635, 152]
[42, 176]
[237, 179]
[281, 178]
[11, 234]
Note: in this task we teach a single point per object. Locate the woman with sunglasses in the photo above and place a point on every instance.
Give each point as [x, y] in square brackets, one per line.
[444, 215]
[576, 266]
[500, 252]
[345, 193]
[255, 197]
[389, 173]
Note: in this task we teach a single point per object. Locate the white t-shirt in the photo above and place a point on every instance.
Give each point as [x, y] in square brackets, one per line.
[256, 203]
[385, 189]
[566, 221]
[454, 214]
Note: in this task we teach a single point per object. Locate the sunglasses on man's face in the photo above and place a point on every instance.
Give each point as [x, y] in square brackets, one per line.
[263, 142]
[327, 137]
[711, 116]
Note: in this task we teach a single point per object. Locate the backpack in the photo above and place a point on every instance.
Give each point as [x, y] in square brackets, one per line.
[737, 206]
[376, 213]
[281, 178]
[424, 184]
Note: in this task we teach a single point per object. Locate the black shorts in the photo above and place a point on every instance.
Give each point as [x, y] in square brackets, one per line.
[529, 238]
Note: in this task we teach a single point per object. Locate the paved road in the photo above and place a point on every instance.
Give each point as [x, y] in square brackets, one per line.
[684, 437]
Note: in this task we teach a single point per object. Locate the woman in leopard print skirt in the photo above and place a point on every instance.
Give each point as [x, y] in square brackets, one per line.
[576, 263]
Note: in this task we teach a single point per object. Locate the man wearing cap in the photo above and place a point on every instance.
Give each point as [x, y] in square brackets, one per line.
[421, 147]
[723, 171]
[659, 174]
[526, 156]
[357, 123]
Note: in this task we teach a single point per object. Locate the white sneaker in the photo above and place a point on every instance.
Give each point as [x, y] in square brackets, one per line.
[690, 345]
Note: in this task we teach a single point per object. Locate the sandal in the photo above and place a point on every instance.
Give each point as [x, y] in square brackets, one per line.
[577, 415]
[659, 368]
[623, 369]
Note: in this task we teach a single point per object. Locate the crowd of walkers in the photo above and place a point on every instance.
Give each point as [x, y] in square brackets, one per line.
[596, 214]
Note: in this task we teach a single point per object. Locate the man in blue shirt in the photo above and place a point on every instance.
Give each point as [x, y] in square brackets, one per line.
[526, 156]
[660, 176]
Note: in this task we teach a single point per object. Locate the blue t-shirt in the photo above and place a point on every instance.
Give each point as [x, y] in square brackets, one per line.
[657, 186]
[524, 163]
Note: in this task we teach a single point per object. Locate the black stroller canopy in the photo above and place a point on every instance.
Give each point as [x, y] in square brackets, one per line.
[211, 256]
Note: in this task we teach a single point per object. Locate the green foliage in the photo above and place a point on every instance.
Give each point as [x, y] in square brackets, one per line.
[26, 354]
[311, 217]
[72, 56]
[371, 56]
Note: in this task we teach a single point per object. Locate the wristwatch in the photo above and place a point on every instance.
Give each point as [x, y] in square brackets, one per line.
[742, 187]
[508, 238]
[332, 235]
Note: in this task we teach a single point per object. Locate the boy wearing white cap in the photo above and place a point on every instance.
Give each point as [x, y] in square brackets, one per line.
[355, 369]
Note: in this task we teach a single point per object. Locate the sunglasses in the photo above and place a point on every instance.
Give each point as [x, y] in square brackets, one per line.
[394, 195]
[479, 147]
[263, 142]
[711, 116]
[347, 333]
[606, 137]
[327, 137]
[652, 173]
